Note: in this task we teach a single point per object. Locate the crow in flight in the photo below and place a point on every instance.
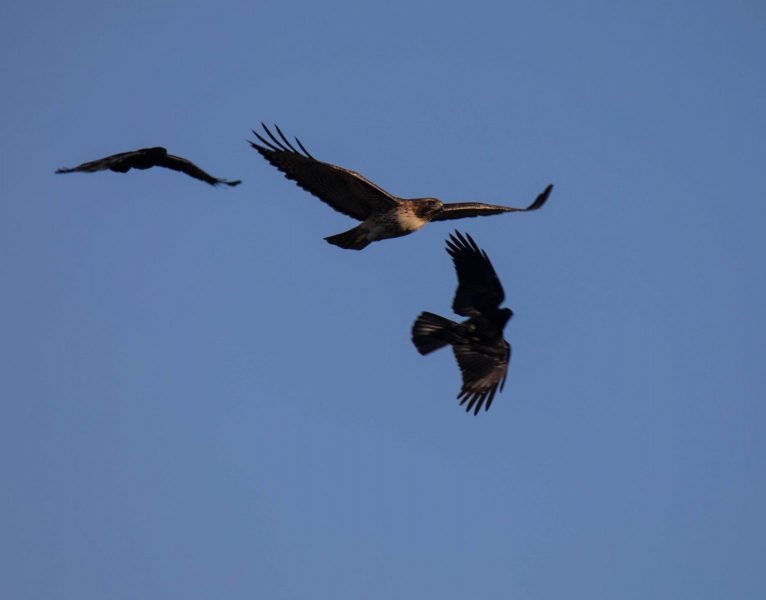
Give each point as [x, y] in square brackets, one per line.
[145, 158]
[480, 349]
[383, 216]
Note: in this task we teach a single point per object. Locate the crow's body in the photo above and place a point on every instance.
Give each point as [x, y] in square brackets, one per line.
[480, 349]
[146, 158]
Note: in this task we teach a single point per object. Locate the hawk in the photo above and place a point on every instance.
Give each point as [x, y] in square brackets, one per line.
[382, 215]
[480, 349]
[145, 158]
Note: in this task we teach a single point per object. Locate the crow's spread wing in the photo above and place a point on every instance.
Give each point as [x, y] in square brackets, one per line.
[122, 162]
[183, 165]
[484, 367]
[479, 289]
[345, 191]
[459, 210]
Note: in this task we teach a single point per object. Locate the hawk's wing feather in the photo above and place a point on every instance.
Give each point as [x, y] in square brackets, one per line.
[346, 191]
[484, 368]
[479, 288]
[460, 210]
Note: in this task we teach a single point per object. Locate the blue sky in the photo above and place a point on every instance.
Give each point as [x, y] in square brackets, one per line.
[202, 398]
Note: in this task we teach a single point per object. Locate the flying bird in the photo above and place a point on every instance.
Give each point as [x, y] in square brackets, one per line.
[146, 158]
[480, 349]
[383, 215]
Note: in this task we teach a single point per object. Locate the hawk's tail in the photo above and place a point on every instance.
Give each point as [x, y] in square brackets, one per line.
[353, 239]
[428, 332]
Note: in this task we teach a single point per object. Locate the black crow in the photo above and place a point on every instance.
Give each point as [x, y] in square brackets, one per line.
[480, 349]
[145, 158]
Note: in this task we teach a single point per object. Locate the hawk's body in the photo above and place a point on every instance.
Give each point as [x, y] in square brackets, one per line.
[399, 220]
[480, 349]
[383, 215]
[146, 158]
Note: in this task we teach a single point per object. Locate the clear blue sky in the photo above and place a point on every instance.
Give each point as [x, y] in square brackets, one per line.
[203, 399]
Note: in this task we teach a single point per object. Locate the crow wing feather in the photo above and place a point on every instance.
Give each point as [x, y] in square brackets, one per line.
[479, 289]
[122, 162]
[177, 163]
[484, 368]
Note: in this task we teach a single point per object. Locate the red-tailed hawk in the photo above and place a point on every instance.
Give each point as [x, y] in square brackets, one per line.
[382, 215]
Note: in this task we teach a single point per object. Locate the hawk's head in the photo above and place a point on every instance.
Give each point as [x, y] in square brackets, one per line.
[426, 208]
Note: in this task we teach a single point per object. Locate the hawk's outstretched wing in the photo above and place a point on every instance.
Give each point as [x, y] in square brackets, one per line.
[345, 191]
[484, 368]
[479, 289]
[460, 210]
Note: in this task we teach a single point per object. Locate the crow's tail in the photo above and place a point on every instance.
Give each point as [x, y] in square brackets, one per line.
[428, 332]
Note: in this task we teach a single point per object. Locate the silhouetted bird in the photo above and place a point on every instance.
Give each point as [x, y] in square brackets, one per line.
[145, 158]
[383, 215]
[480, 349]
